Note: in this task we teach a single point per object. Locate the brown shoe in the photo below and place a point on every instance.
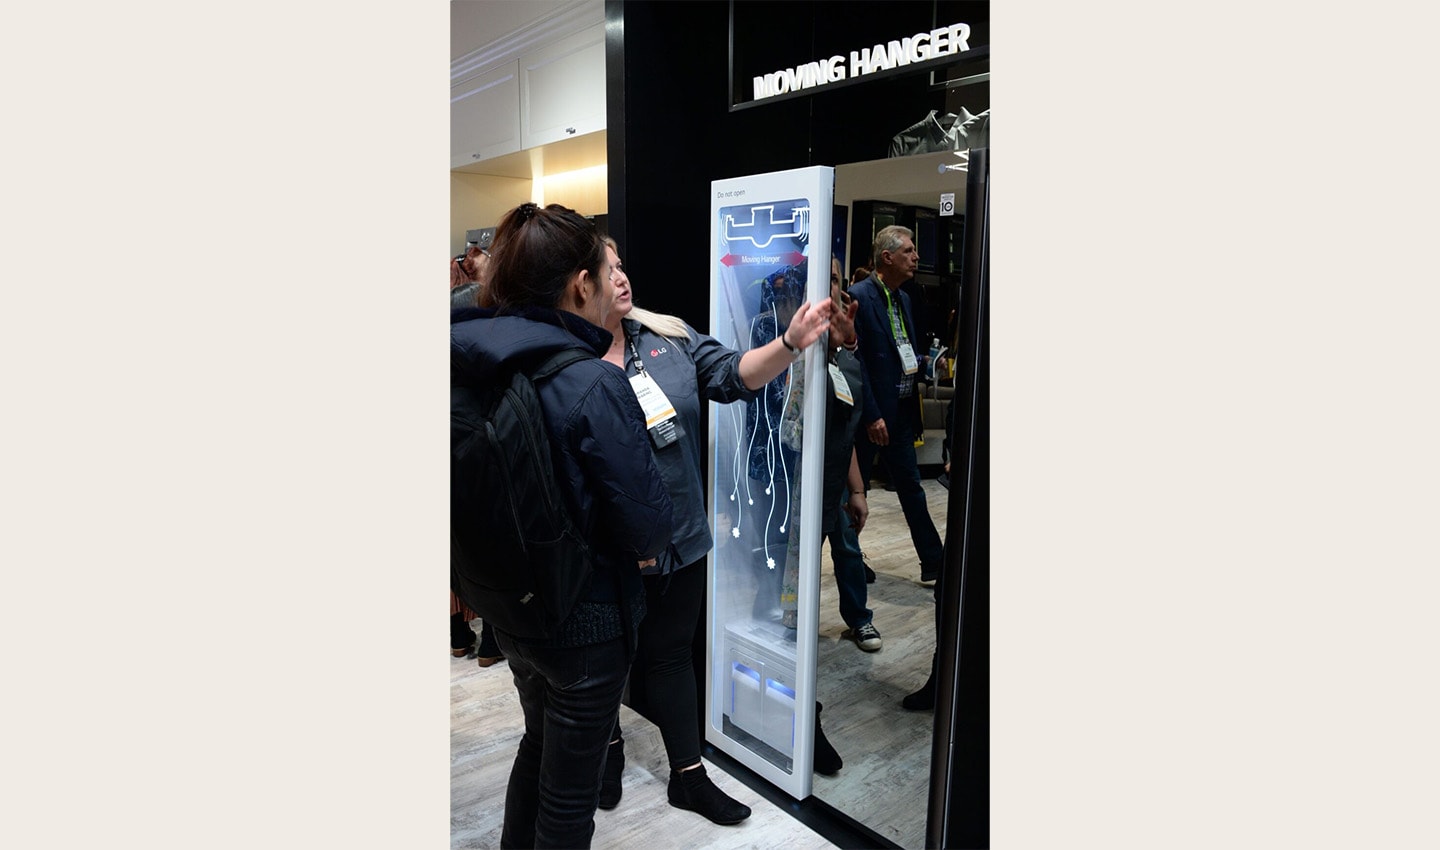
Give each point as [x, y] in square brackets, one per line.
[489, 651]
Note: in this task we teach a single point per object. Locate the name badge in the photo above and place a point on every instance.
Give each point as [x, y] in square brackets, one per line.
[653, 402]
[660, 415]
[666, 432]
[907, 359]
[842, 386]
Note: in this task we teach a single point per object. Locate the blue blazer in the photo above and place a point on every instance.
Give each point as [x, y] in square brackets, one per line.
[880, 355]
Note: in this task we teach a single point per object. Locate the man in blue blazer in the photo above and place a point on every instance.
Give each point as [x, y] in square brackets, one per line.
[891, 352]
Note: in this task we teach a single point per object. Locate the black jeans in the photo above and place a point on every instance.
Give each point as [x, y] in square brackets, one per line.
[672, 611]
[571, 700]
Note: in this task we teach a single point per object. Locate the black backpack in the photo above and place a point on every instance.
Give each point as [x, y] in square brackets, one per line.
[516, 557]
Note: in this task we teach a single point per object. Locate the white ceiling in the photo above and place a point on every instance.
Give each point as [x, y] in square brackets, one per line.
[476, 23]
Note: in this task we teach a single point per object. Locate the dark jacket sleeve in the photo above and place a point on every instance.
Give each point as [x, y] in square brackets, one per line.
[634, 512]
[870, 408]
[717, 370]
[871, 338]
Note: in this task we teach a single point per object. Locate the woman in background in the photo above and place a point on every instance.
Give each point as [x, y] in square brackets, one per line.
[468, 267]
[462, 637]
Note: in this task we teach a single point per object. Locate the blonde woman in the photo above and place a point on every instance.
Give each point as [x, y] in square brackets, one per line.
[689, 368]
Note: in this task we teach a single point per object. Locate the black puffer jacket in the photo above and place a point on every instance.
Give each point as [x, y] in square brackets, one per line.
[603, 460]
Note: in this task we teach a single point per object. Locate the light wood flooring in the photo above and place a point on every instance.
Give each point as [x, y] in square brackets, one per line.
[485, 729]
[885, 783]
[886, 750]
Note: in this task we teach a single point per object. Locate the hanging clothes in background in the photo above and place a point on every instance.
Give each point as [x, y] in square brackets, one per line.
[948, 132]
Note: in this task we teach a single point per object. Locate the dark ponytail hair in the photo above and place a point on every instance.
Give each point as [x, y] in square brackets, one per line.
[535, 254]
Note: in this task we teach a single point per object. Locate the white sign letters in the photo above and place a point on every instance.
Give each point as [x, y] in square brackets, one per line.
[912, 50]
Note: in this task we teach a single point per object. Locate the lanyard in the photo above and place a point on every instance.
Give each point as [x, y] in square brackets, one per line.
[897, 322]
[661, 418]
[635, 352]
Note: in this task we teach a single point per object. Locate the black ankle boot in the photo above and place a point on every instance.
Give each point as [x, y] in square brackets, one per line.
[462, 637]
[692, 790]
[923, 699]
[610, 782]
[488, 650]
[827, 761]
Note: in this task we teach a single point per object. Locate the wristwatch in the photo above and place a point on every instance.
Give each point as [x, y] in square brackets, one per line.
[794, 352]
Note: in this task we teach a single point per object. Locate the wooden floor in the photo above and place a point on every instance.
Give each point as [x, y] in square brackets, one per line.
[886, 750]
[886, 778]
[485, 729]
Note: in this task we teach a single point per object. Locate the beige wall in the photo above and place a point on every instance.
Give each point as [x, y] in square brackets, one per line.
[585, 191]
[479, 200]
[483, 33]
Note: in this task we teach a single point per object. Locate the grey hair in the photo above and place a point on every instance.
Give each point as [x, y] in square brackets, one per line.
[888, 239]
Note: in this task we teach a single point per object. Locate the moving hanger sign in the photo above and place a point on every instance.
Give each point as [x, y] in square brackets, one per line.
[921, 47]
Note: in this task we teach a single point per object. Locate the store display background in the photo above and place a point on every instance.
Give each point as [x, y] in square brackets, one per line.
[1213, 418]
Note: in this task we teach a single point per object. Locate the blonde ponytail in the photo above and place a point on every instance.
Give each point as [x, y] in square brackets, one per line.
[670, 327]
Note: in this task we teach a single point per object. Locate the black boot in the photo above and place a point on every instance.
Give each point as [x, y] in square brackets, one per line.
[923, 699]
[489, 649]
[462, 637]
[610, 781]
[827, 761]
[692, 790]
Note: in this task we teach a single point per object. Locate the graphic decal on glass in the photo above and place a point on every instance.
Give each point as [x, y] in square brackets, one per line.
[763, 276]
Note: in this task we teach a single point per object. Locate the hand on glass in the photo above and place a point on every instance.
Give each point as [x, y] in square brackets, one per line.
[809, 322]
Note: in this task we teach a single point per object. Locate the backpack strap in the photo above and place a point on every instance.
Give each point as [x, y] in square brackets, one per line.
[548, 368]
[557, 361]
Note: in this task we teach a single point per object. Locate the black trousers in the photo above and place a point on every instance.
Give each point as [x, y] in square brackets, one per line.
[571, 700]
[665, 667]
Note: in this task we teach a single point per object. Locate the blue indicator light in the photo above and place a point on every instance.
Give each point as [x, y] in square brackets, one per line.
[747, 671]
[779, 687]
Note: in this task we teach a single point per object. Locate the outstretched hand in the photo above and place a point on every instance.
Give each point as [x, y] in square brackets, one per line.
[809, 323]
[762, 364]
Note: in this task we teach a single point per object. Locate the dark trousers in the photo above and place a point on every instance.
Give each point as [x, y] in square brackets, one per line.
[666, 668]
[571, 699]
[904, 473]
[461, 635]
[849, 571]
